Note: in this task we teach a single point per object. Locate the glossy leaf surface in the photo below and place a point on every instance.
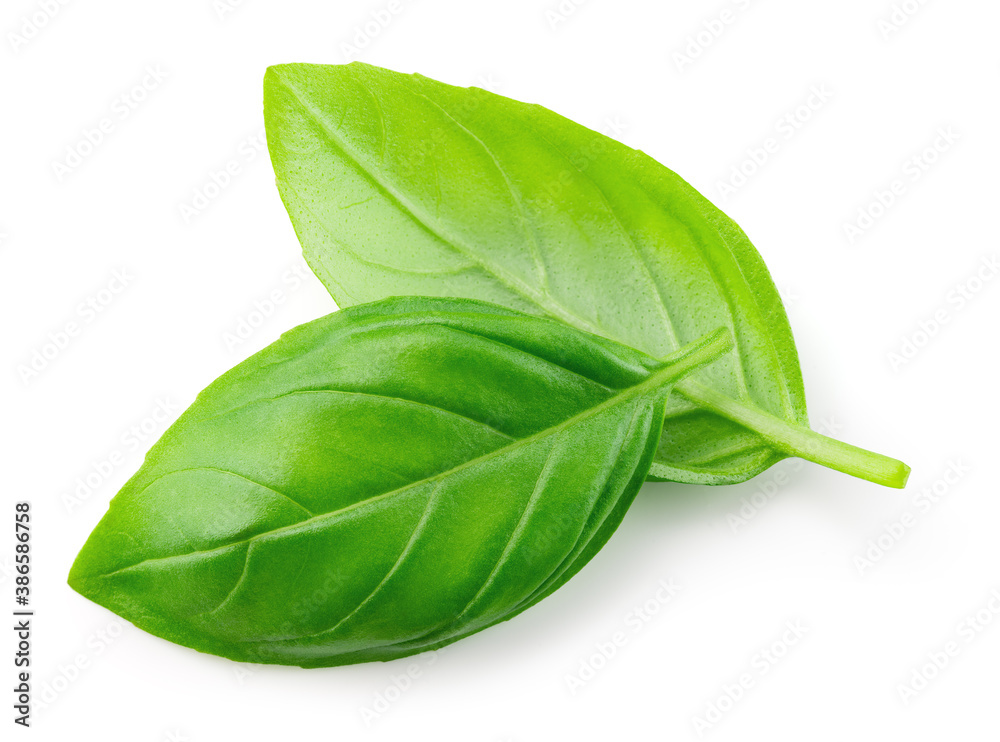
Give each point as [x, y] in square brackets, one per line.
[398, 184]
[381, 481]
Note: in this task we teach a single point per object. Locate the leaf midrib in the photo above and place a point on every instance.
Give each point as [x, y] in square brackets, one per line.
[510, 280]
[658, 378]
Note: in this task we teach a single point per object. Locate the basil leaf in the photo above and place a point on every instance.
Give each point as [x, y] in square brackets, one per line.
[384, 480]
[398, 184]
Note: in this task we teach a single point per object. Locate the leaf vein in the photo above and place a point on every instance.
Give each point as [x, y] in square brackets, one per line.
[622, 397]
[643, 260]
[519, 530]
[522, 216]
[407, 550]
[511, 281]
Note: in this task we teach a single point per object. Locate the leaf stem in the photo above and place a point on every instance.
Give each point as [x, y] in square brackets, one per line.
[800, 441]
[702, 351]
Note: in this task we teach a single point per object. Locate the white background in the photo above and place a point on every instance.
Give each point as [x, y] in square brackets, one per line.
[614, 67]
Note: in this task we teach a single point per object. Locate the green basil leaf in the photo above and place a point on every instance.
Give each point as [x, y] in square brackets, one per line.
[382, 481]
[398, 184]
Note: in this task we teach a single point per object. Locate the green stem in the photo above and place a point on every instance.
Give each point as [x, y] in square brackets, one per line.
[704, 350]
[796, 440]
